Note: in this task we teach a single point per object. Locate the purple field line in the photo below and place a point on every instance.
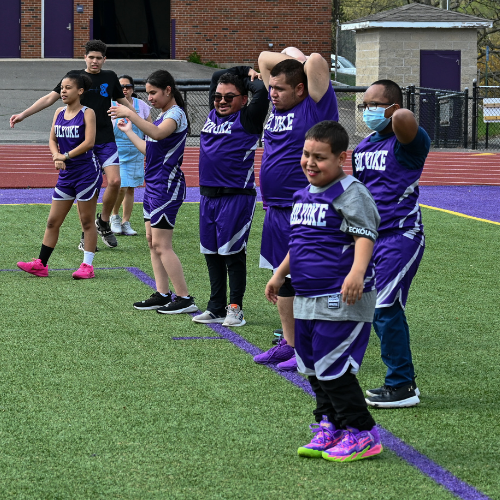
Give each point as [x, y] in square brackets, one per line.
[198, 338]
[424, 464]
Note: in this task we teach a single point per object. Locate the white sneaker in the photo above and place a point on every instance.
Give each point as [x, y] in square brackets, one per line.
[208, 317]
[116, 224]
[234, 316]
[127, 229]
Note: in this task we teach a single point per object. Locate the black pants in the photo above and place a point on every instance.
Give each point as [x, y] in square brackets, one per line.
[342, 401]
[219, 268]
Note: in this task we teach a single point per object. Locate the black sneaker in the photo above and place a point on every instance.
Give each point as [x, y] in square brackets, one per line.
[179, 305]
[104, 229]
[81, 246]
[156, 301]
[379, 390]
[395, 397]
[278, 335]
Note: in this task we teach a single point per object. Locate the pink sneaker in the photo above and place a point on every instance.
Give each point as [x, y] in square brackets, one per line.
[288, 366]
[84, 272]
[355, 445]
[325, 436]
[34, 267]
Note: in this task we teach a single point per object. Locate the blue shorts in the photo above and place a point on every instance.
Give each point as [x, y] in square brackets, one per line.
[107, 154]
[73, 186]
[326, 349]
[225, 223]
[156, 210]
[396, 258]
[131, 166]
[275, 237]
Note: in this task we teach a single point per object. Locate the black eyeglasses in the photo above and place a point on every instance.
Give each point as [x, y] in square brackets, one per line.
[227, 97]
[372, 106]
[127, 86]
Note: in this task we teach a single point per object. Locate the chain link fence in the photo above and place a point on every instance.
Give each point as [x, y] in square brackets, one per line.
[486, 117]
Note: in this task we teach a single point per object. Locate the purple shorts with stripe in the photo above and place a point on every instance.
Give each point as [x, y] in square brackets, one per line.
[326, 349]
[107, 154]
[225, 223]
[396, 259]
[275, 237]
[155, 210]
[72, 185]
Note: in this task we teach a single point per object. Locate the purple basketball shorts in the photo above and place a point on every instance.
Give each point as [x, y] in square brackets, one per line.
[275, 237]
[107, 154]
[225, 223]
[155, 209]
[327, 349]
[396, 259]
[72, 185]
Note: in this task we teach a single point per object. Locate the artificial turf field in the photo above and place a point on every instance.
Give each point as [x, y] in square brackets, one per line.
[98, 400]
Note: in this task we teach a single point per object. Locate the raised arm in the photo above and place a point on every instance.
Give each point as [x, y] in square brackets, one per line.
[267, 61]
[42, 103]
[126, 126]
[318, 76]
[404, 124]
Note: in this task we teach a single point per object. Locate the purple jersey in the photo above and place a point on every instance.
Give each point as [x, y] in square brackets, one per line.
[163, 175]
[227, 152]
[70, 134]
[321, 255]
[394, 187]
[281, 174]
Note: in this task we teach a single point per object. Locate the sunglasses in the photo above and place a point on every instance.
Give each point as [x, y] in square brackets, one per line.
[227, 97]
[127, 86]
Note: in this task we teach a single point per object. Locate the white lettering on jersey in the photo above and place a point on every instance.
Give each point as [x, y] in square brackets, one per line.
[72, 131]
[281, 123]
[371, 160]
[309, 214]
[212, 128]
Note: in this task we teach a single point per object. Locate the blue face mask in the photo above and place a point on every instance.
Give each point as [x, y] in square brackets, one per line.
[375, 120]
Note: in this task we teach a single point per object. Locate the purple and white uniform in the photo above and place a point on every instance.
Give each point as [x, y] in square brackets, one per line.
[227, 155]
[399, 249]
[165, 185]
[82, 178]
[329, 335]
[281, 174]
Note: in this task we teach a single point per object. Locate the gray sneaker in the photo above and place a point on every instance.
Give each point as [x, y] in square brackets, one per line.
[116, 224]
[234, 316]
[208, 317]
[107, 236]
[127, 229]
[81, 246]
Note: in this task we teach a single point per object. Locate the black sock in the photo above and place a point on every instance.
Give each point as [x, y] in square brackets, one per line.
[45, 254]
[83, 235]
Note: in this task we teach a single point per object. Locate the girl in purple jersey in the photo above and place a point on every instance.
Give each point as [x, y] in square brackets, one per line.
[71, 141]
[165, 187]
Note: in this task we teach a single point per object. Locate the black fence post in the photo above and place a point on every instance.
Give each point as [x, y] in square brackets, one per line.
[466, 116]
[411, 90]
[474, 114]
[437, 122]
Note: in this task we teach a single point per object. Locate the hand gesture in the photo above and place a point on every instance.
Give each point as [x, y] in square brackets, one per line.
[119, 112]
[253, 75]
[15, 119]
[352, 288]
[272, 288]
[59, 165]
[124, 125]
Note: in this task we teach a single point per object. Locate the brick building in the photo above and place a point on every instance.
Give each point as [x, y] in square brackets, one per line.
[225, 33]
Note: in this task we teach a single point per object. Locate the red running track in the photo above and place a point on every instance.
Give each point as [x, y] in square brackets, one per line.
[23, 166]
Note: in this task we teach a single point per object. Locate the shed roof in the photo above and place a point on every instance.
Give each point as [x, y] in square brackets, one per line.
[416, 15]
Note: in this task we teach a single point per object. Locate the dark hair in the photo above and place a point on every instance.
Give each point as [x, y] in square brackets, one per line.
[332, 133]
[392, 91]
[131, 80]
[229, 78]
[162, 79]
[293, 71]
[82, 80]
[96, 46]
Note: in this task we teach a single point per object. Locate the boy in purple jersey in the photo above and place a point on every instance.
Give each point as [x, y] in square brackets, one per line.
[71, 140]
[333, 228]
[389, 162]
[105, 86]
[302, 95]
[228, 142]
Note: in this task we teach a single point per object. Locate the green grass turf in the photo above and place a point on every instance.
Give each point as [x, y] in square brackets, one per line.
[97, 400]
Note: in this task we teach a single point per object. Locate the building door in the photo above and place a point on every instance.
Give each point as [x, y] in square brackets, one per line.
[10, 29]
[440, 116]
[58, 28]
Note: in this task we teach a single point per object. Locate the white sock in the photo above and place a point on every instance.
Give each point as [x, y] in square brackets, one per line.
[165, 294]
[88, 257]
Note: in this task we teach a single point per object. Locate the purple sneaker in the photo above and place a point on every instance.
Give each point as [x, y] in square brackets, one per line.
[277, 354]
[288, 366]
[325, 436]
[355, 445]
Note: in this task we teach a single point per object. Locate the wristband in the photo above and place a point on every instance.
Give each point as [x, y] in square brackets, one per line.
[66, 156]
